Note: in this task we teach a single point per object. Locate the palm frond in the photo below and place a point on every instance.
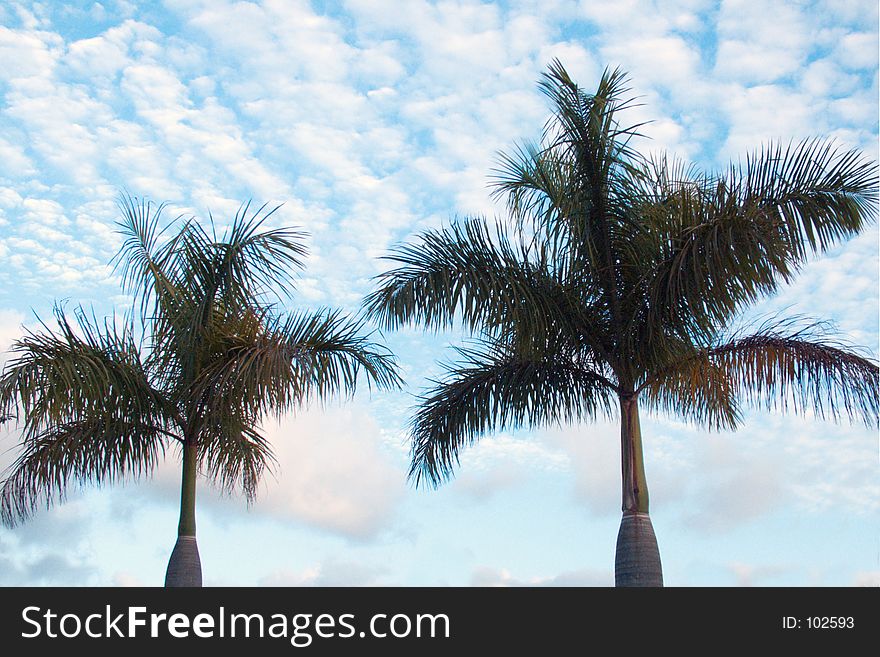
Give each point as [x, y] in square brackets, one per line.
[566, 187]
[725, 241]
[497, 388]
[278, 364]
[234, 455]
[781, 364]
[470, 270]
[696, 389]
[248, 263]
[585, 124]
[100, 449]
[805, 368]
[77, 371]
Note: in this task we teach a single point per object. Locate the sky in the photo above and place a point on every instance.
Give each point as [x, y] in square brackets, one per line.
[371, 121]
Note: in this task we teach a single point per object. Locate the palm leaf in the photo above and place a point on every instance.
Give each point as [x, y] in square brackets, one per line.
[497, 388]
[77, 371]
[98, 449]
[280, 364]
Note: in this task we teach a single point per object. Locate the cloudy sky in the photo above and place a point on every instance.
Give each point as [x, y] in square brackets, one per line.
[371, 120]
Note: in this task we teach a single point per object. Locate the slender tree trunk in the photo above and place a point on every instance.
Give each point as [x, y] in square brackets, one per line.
[637, 561]
[185, 567]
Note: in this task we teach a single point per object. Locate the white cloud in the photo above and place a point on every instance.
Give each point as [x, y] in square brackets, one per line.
[868, 578]
[27, 54]
[594, 453]
[487, 576]
[750, 575]
[11, 322]
[736, 489]
[751, 46]
[333, 473]
[858, 50]
[328, 573]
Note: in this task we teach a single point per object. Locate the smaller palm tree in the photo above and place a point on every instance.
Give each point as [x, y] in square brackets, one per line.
[201, 361]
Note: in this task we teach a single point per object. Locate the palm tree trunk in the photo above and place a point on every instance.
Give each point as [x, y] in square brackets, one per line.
[637, 562]
[185, 567]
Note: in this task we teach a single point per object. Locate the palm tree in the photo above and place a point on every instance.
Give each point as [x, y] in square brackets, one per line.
[616, 286]
[201, 361]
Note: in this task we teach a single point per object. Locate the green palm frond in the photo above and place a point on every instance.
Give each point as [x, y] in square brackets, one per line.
[800, 368]
[724, 242]
[234, 455]
[497, 388]
[77, 371]
[100, 449]
[283, 363]
[470, 269]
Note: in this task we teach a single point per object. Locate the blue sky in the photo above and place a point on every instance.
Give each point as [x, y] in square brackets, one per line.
[372, 120]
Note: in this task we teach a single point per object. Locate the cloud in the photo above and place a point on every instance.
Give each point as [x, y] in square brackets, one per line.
[737, 488]
[867, 578]
[750, 575]
[487, 576]
[28, 54]
[50, 549]
[54, 569]
[730, 480]
[751, 47]
[333, 473]
[328, 573]
[11, 322]
[594, 459]
[501, 462]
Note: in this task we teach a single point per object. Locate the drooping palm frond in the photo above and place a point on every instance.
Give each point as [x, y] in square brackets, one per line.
[498, 388]
[696, 389]
[803, 368]
[329, 352]
[79, 371]
[782, 364]
[234, 455]
[95, 448]
[86, 410]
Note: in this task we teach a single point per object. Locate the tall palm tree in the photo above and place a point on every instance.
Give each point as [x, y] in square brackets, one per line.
[616, 286]
[202, 360]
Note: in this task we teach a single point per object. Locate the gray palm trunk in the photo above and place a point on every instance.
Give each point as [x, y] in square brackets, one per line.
[637, 561]
[184, 566]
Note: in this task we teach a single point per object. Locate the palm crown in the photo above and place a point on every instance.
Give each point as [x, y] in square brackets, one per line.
[201, 361]
[619, 281]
